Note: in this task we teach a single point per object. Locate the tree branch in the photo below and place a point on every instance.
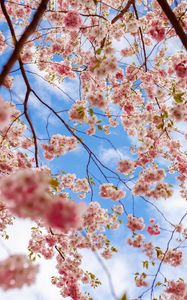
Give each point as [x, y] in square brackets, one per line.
[173, 20]
[141, 36]
[26, 83]
[124, 10]
[19, 45]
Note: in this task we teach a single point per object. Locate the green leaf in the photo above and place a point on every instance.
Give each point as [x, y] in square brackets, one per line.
[90, 180]
[98, 51]
[91, 112]
[158, 283]
[160, 126]
[100, 127]
[97, 65]
[114, 249]
[145, 264]
[80, 108]
[170, 124]
[107, 242]
[54, 183]
[165, 115]
[181, 279]
[178, 97]
[158, 251]
[124, 297]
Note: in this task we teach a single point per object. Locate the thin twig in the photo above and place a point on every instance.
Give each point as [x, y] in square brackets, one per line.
[19, 44]
[124, 10]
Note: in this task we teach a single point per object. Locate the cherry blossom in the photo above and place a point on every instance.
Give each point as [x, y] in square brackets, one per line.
[108, 191]
[59, 145]
[135, 223]
[177, 289]
[16, 271]
[72, 20]
[5, 114]
[65, 214]
[27, 194]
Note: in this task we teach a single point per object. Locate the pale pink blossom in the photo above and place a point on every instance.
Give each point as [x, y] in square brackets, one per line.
[26, 193]
[135, 223]
[17, 271]
[65, 214]
[72, 20]
[108, 190]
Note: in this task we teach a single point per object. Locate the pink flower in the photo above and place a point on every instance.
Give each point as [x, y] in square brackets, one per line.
[2, 42]
[119, 74]
[59, 145]
[140, 280]
[97, 100]
[65, 214]
[135, 223]
[125, 166]
[8, 81]
[16, 271]
[157, 31]
[153, 230]
[172, 257]
[5, 114]
[136, 241]
[78, 111]
[181, 69]
[72, 20]
[177, 288]
[26, 193]
[108, 190]
[81, 185]
[5, 217]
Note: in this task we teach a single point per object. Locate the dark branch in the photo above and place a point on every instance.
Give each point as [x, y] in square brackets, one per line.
[124, 10]
[141, 36]
[19, 45]
[173, 20]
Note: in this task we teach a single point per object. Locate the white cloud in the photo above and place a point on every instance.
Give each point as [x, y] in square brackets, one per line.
[174, 208]
[112, 156]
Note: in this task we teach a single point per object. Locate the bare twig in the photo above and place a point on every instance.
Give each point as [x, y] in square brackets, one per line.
[26, 83]
[108, 275]
[141, 36]
[19, 44]
[124, 10]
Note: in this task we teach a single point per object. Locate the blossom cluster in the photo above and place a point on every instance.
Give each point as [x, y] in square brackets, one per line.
[176, 289]
[59, 145]
[5, 217]
[135, 223]
[28, 195]
[16, 271]
[8, 113]
[125, 166]
[140, 280]
[172, 257]
[154, 229]
[109, 191]
[71, 274]
[78, 111]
